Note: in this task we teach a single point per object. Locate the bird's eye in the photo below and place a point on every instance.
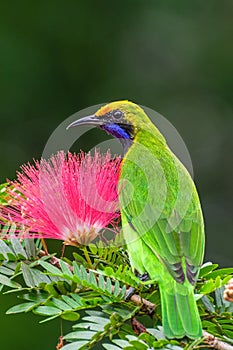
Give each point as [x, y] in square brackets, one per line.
[117, 114]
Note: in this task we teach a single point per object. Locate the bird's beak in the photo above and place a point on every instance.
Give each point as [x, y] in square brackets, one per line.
[89, 120]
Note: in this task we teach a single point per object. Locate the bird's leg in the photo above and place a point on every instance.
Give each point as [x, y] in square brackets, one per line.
[144, 277]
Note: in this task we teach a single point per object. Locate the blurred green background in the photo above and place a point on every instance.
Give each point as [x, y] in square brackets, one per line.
[173, 56]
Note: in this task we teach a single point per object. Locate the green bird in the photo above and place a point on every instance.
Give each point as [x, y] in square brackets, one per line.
[161, 214]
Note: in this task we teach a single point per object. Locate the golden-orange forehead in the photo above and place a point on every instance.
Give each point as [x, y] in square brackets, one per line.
[103, 110]
[111, 106]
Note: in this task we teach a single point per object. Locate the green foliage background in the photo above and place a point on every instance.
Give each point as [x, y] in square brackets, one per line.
[91, 289]
[176, 57]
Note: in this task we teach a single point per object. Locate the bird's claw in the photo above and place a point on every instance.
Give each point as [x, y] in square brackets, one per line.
[131, 291]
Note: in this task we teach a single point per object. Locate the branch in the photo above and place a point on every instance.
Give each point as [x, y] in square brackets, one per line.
[138, 328]
[215, 343]
[149, 308]
[53, 260]
[211, 340]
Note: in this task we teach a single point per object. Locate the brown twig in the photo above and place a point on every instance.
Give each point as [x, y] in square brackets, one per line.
[138, 328]
[216, 343]
[44, 245]
[60, 343]
[53, 260]
[149, 308]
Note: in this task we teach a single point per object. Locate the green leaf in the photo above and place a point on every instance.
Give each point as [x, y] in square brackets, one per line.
[79, 335]
[74, 346]
[101, 282]
[24, 307]
[109, 271]
[92, 278]
[139, 345]
[218, 282]
[77, 299]
[8, 282]
[6, 271]
[207, 303]
[83, 272]
[39, 277]
[227, 326]
[50, 268]
[27, 275]
[93, 248]
[228, 333]
[208, 324]
[47, 311]
[60, 304]
[226, 280]
[18, 249]
[70, 316]
[71, 302]
[65, 269]
[6, 251]
[208, 287]
[96, 319]
[123, 292]
[225, 321]
[76, 272]
[30, 247]
[79, 258]
[92, 326]
[219, 297]
[109, 285]
[121, 342]
[33, 277]
[35, 296]
[116, 288]
[205, 270]
[221, 272]
[63, 287]
[50, 318]
[124, 275]
[111, 346]
[50, 288]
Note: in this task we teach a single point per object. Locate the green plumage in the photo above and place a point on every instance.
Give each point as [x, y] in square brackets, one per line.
[161, 214]
[163, 226]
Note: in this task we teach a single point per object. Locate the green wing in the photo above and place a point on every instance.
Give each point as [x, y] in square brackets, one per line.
[160, 204]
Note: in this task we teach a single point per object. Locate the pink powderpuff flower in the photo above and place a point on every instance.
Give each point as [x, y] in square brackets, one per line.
[70, 198]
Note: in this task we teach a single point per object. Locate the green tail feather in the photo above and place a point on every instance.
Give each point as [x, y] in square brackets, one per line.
[179, 311]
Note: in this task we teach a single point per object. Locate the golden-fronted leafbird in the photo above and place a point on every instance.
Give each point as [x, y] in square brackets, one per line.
[161, 213]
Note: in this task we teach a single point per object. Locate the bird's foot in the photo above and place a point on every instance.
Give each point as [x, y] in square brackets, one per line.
[144, 277]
